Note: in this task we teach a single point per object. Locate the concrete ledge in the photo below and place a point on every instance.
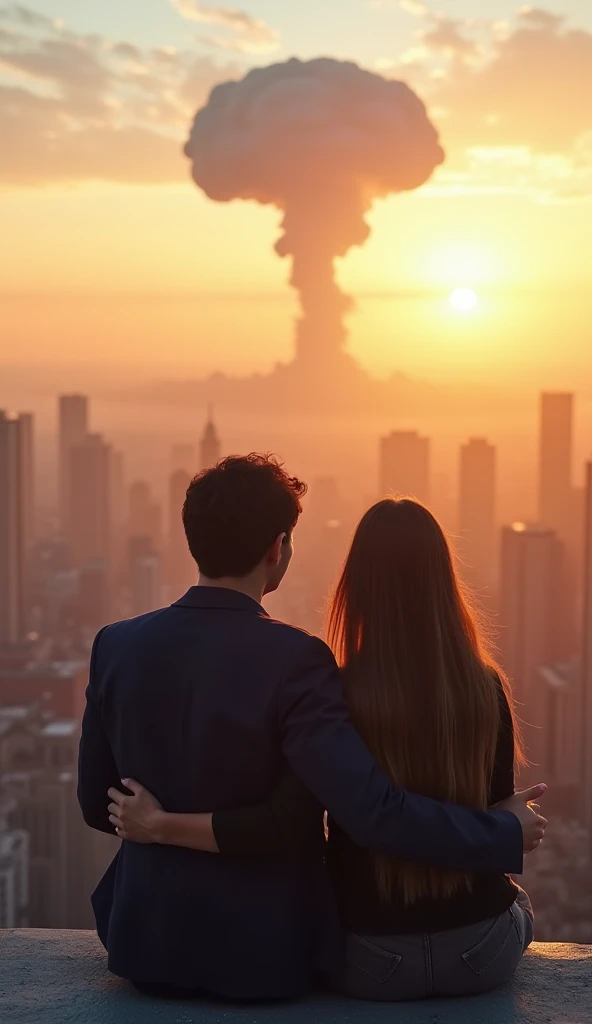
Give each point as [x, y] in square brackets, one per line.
[60, 977]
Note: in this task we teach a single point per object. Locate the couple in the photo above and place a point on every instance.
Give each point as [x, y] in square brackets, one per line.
[233, 733]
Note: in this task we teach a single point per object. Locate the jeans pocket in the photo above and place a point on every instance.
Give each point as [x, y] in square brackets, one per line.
[378, 963]
[502, 931]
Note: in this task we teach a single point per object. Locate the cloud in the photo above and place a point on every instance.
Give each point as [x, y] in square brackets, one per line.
[445, 36]
[415, 7]
[246, 34]
[513, 105]
[79, 107]
[539, 18]
[419, 10]
[22, 15]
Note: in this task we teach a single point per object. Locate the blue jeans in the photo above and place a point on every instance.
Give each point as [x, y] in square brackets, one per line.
[459, 962]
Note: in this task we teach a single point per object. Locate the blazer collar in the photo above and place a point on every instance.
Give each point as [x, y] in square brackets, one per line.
[219, 597]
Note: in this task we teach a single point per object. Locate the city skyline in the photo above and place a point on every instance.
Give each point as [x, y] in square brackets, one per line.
[353, 233]
[130, 557]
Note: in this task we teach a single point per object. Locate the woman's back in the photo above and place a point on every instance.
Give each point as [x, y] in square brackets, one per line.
[431, 706]
[363, 908]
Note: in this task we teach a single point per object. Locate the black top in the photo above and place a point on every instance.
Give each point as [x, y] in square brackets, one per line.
[290, 825]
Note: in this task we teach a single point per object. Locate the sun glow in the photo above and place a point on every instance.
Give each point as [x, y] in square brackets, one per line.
[464, 300]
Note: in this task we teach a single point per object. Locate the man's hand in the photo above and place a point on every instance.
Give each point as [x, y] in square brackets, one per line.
[533, 824]
[137, 818]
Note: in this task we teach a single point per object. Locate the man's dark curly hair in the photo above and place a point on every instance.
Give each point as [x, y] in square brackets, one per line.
[234, 512]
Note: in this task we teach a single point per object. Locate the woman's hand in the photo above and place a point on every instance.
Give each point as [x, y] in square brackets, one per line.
[138, 818]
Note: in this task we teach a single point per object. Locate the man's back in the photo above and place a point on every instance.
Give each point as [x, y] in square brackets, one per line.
[188, 700]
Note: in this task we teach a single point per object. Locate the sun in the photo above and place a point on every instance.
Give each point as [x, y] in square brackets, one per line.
[464, 300]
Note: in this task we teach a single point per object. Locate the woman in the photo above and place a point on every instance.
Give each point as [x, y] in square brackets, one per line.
[436, 712]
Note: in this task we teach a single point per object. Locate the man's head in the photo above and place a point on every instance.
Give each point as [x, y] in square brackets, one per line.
[239, 517]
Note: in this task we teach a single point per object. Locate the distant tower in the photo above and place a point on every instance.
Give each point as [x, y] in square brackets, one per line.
[405, 465]
[476, 512]
[555, 461]
[210, 447]
[530, 563]
[182, 571]
[586, 667]
[15, 473]
[146, 584]
[90, 516]
[73, 428]
[27, 428]
[145, 515]
[183, 456]
[558, 502]
[531, 566]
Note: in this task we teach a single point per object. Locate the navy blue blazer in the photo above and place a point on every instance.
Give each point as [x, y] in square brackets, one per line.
[204, 702]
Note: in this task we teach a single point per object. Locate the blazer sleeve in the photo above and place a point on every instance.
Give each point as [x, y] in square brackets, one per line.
[289, 824]
[328, 755]
[97, 770]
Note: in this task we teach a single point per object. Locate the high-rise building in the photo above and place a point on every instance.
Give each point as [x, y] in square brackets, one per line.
[476, 513]
[586, 661]
[118, 496]
[555, 461]
[38, 758]
[27, 429]
[73, 428]
[90, 483]
[210, 447]
[182, 571]
[558, 686]
[146, 584]
[15, 521]
[405, 465]
[558, 504]
[56, 686]
[145, 515]
[531, 566]
[94, 595]
[184, 457]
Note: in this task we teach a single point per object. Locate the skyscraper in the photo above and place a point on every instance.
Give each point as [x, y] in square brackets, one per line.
[555, 461]
[145, 515]
[15, 519]
[146, 584]
[73, 428]
[38, 757]
[558, 504]
[476, 512]
[182, 571]
[586, 666]
[27, 428]
[531, 565]
[90, 481]
[183, 456]
[210, 447]
[405, 465]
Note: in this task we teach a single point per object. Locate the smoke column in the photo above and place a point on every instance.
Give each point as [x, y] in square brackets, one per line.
[320, 140]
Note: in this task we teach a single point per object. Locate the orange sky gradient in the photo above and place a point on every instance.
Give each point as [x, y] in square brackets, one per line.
[112, 258]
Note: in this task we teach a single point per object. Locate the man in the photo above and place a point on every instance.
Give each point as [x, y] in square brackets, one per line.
[206, 702]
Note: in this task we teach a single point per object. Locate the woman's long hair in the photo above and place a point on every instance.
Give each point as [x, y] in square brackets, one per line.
[422, 688]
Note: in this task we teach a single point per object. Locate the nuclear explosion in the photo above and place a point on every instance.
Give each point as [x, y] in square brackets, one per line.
[320, 140]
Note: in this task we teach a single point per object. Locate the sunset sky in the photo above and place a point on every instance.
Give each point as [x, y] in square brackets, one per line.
[112, 259]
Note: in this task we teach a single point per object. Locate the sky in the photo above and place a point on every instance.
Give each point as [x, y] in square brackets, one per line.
[114, 262]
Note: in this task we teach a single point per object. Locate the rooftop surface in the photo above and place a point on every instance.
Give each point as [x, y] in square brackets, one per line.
[60, 977]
